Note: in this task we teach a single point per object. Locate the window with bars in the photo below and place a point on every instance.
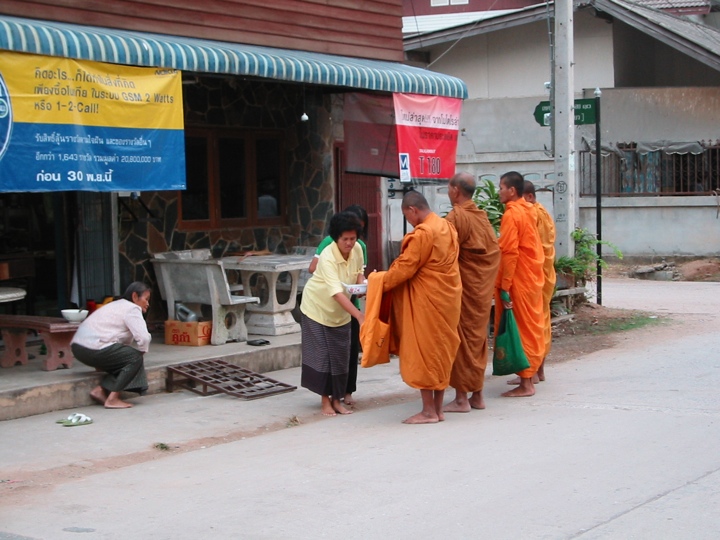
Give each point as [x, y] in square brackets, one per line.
[628, 173]
[234, 179]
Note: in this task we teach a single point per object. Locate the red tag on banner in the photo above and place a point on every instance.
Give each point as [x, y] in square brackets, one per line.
[427, 133]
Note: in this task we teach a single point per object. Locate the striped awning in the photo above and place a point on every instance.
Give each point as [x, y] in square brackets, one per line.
[204, 56]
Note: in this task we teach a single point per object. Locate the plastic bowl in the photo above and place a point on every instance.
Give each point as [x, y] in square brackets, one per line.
[74, 315]
[356, 288]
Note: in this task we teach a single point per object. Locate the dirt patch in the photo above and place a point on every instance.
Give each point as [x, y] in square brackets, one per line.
[700, 270]
[594, 328]
[704, 269]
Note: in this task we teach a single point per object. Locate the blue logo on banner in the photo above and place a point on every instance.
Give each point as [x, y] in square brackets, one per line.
[405, 168]
[6, 122]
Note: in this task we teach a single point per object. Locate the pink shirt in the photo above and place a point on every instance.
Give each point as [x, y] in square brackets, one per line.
[120, 321]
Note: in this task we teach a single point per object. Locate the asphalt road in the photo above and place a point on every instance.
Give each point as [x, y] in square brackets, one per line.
[622, 443]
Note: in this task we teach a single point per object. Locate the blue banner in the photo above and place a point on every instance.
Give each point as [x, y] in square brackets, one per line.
[74, 125]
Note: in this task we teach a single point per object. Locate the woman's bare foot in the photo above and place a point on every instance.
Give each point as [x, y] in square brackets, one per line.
[327, 407]
[99, 395]
[113, 401]
[337, 406]
[349, 400]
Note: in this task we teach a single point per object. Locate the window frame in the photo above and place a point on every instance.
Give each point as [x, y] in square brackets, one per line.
[212, 135]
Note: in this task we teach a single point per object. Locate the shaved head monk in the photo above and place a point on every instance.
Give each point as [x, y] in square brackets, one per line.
[546, 229]
[426, 298]
[521, 276]
[479, 261]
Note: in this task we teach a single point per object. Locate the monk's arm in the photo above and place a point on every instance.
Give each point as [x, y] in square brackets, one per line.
[413, 256]
[509, 246]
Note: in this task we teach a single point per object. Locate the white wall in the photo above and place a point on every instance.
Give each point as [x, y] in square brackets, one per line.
[657, 226]
[515, 62]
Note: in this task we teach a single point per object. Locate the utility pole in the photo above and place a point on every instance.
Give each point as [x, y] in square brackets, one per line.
[563, 118]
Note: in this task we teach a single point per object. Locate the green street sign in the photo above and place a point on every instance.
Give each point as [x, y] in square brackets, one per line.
[584, 112]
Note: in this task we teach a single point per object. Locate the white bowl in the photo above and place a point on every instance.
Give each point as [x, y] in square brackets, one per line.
[356, 288]
[74, 315]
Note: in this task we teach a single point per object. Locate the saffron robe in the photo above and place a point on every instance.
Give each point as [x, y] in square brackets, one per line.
[546, 229]
[479, 261]
[427, 294]
[521, 275]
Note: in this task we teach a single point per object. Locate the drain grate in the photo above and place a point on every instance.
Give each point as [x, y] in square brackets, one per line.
[209, 377]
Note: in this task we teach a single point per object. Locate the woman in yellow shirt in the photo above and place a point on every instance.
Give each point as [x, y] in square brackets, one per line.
[326, 313]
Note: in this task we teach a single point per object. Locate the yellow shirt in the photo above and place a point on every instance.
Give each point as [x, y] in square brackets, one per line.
[331, 272]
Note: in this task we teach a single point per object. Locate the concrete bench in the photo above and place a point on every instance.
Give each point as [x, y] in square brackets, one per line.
[55, 332]
[204, 281]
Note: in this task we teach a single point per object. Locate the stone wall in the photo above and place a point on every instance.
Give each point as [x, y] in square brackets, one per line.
[309, 152]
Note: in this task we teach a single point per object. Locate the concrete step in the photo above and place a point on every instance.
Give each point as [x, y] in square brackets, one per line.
[27, 390]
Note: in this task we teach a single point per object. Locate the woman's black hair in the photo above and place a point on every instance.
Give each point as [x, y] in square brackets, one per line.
[135, 287]
[343, 222]
[360, 212]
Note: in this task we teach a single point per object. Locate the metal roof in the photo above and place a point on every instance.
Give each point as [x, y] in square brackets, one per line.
[479, 26]
[698, 41]
[430, 23]
[694, 39]
[205, 56]
[678, 6]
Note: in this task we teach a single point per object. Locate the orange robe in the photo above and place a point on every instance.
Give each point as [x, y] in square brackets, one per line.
[479, 261]
[521, 275]
[546, 229]
[427, 292]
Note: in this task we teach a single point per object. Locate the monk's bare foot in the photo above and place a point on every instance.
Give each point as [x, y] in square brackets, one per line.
[536, 379]
[457, 406]
[422, 418]
[441, 416]
[98, 395]
[520, 391]
[337, 406]
[349, 401]
[477, 401]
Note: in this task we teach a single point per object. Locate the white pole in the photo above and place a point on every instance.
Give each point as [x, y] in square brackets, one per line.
[565, 202]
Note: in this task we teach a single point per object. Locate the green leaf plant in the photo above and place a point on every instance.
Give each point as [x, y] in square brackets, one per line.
[487, 198]
[583, 266]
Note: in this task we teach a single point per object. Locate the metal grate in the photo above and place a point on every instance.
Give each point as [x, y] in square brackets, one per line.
[209, 377]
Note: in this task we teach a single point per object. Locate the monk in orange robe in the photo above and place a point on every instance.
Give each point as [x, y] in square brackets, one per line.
[546, 229]
[426, 298]
[521, 276]
[479, 261]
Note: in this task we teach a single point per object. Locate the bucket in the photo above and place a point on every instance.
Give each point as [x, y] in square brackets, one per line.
[184, 313]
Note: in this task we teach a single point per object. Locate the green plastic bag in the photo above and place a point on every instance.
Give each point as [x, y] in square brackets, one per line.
[508, 354]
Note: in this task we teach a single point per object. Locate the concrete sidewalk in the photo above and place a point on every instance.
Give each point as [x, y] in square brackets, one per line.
[182, 420]
[27, 390]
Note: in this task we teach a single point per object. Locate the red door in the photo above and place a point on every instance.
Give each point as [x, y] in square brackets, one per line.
[363, 190]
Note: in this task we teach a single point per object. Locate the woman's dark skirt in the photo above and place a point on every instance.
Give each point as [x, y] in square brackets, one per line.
[123, 365]
[325, 351]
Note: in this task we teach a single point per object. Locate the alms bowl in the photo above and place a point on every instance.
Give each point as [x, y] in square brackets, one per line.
[74, 315]
[356, 288]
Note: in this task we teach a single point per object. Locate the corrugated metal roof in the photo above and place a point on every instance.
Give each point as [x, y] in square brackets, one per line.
[677, 6]
[498, 21]
[430, 23]
[696, 40]
[205, 56]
